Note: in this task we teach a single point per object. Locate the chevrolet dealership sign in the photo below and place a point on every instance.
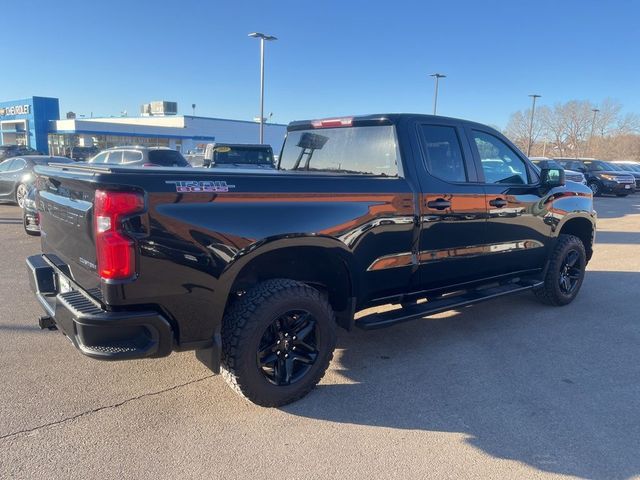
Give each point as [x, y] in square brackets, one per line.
[15, 110]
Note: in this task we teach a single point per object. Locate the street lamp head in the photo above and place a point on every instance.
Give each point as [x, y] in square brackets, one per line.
[437, 75]
[534, 95]
[263, 36]
[595, 110]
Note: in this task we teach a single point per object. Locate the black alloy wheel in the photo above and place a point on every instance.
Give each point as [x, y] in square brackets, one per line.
[570, 272]
[288, 348]
[565, 272]
[277, 341]
[595, 188]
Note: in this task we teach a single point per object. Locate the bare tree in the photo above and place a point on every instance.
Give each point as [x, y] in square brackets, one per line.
[518, 127]
[566, 130]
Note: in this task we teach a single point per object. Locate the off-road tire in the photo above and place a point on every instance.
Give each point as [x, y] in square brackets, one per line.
[550, 292]
[246, 322]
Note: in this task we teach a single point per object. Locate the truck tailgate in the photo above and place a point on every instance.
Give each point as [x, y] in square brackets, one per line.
[66, 219]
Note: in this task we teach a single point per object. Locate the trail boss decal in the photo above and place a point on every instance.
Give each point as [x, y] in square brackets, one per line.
[195, 186]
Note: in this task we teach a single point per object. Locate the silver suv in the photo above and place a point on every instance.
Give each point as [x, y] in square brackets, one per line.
[141, 157]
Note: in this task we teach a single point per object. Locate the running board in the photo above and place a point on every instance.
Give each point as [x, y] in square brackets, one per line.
[470, 297]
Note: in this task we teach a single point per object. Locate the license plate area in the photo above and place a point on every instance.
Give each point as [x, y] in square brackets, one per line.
[627, 187]
[64, 285]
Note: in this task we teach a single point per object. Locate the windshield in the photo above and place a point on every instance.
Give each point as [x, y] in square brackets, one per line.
[361, 150]
[550, 163]
[599, 166]
[243, 156]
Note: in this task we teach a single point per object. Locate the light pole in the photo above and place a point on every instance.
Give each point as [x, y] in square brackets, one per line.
[437, 77]
[262, 38]
[533, 111]
[593, 126]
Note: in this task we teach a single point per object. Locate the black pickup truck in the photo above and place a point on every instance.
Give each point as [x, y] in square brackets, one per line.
[255, 270]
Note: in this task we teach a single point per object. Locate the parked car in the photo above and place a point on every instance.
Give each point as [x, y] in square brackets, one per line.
[196, 156]
[601, 176]
[136, 156]
[571, 175]
[30, 218]
[627, 166]
[238, 155]
[81, 154]
[255, 269]
[8, 151]
[17, 173]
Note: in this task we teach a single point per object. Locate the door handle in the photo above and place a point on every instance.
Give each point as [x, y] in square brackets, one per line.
[439, 204]
[498, 202]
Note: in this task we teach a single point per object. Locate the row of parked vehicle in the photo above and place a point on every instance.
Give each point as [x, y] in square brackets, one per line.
[17, 175]
[617, 177]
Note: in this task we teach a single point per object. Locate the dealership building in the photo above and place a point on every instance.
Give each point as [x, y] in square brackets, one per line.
[27, 121]
[36, 122]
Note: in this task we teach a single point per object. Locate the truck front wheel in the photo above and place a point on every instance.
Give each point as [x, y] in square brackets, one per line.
[565, 272]
[277, 342]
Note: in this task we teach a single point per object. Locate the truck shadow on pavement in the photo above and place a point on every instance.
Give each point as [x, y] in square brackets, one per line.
[555, 388]
[11, 221]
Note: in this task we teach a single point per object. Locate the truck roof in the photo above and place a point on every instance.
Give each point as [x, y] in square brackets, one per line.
[241, 145]
[374, 119]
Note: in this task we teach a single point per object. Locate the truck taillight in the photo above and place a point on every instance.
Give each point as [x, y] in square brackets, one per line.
[333, 122]
[115, 251]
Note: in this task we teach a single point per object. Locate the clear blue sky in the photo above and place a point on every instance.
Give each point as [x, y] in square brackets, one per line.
[332, 57]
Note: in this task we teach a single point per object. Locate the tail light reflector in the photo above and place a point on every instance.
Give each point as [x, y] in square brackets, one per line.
[115, 251]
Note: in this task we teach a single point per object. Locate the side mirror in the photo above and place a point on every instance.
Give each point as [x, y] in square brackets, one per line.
[551, 177]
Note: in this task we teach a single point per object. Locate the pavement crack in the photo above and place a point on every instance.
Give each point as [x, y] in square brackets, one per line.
[105, 407]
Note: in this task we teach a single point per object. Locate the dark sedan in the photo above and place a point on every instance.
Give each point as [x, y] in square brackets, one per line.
[601, 176]
[16, 174]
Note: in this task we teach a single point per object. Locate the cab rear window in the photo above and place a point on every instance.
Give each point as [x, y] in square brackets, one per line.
[365, 150]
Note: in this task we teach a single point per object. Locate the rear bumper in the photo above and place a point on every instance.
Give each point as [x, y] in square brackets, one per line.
[96, 332]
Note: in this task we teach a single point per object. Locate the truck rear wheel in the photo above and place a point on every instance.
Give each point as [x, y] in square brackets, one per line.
[565, 272]
[277, 342]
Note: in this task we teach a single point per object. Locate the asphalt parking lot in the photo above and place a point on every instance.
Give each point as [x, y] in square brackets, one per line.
[505, 389]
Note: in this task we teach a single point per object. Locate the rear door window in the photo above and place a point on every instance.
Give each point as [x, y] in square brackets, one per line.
[100, 158]
[130, 156]
[443, 153]
[114, 157]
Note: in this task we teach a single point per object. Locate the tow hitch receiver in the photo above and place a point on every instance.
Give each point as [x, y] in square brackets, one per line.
[47, 322]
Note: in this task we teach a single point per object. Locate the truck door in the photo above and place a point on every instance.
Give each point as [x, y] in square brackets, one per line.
[517, 235]
[453, 210]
